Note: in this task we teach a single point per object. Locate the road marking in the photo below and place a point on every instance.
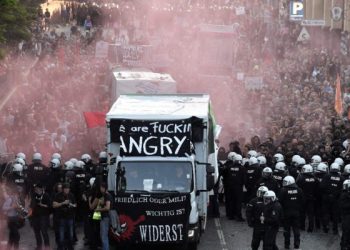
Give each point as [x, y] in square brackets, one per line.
[8, 97]
[220, 234]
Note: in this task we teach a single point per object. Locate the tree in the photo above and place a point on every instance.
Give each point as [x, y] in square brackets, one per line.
[15, 22]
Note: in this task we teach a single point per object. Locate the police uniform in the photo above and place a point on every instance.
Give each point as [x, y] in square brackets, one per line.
[234, 177]
[279, 176]
[252, 176]
[318, 202]
[272, 217]
[345, 212]
[330, 188]
[268, 182]
[254, 212]
[309, 184]
[291, 198]
[37, 173]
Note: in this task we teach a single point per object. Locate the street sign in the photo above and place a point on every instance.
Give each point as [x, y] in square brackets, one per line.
[304, 35]
[313, 22]
[296, 10]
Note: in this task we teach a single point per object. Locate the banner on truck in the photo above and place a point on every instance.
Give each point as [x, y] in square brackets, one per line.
[152, 219]
[152, 138]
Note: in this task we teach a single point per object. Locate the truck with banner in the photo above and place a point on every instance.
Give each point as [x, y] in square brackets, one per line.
[162, 163]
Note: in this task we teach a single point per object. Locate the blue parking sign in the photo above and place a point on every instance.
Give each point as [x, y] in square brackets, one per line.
[296, 10]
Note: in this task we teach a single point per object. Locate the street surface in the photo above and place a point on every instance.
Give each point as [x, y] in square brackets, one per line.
[221, 234]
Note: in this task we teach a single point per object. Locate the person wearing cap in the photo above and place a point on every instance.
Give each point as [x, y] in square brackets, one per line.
[64, 203]
[40, 205]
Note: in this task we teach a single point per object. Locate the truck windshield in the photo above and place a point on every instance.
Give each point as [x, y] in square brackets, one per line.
[157, 176]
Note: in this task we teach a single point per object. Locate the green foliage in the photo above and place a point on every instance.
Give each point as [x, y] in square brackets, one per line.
[14, 21]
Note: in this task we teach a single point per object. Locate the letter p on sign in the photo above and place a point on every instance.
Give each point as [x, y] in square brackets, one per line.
[297, 7]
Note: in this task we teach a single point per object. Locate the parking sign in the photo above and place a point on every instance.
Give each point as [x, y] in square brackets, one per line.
[296, 10]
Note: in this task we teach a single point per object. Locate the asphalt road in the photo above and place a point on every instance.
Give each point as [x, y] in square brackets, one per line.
[221, 234]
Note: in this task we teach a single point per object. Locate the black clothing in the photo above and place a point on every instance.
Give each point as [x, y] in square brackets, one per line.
[234, 176]
[318, 203]
[273, 215]
[270, 183]
[252, 175]
[40, 226]
[38, 173]
[345, 213]
[279, 176]
[103, 200]
[293, 171]
[65, 211]
[38, 210]
[254, 211]
[56, 175]
[330, 188]
[291, 199]
[14, 236]
[309, 184]
[40, 218]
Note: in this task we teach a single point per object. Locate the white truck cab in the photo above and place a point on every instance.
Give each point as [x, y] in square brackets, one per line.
[162, 163]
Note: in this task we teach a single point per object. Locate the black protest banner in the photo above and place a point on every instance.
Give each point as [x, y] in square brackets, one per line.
[152, 138]
[153, 219]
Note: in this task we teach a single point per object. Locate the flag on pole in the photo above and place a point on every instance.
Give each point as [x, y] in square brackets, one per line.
[95, 119]
[338, 98]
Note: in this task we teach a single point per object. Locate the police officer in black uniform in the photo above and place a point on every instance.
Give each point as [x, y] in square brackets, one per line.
[279, 173]
[79, 184]
[271, 218]
[16, 179]
[345, 213]
[291, 198]
[309, 184]
[90, 167]
[101, 172]
[37, 172]
[254, 211]
[233, 174]
[56, 175]
[320, 173]
[330, 188]
[267, 180]
[252, 176]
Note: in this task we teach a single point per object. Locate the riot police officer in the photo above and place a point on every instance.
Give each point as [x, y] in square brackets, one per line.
[280, 172]
[330, 187]
[291, 198]
[346, 172]
[309, 184]
[271, 218]
[90, 167]
[56, 175]
[233, 174]
[16, 178]
[345, 213]
[321, 171]
[252, 175]
[254, 211]
[101, 168]
[79, 186]
[267, 180]
[37, 172]
[293, 168]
